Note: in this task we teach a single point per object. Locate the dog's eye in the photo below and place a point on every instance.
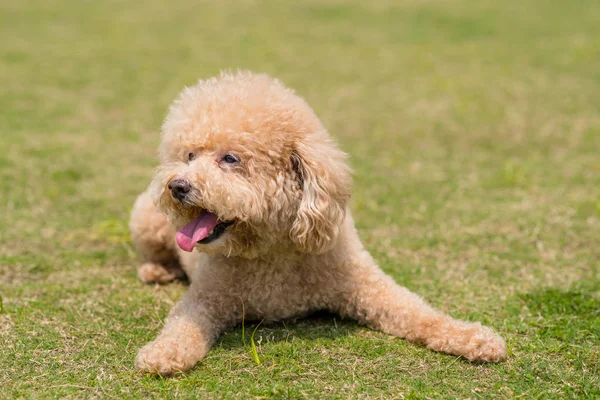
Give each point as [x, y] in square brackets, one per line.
[191, 156]
[229, 159]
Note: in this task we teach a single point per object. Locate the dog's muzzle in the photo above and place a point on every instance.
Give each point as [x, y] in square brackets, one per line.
[179, 189]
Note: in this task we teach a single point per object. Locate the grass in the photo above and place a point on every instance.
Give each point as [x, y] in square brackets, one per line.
[474, 131]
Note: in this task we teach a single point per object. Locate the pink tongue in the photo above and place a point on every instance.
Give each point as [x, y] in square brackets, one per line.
[196, 230]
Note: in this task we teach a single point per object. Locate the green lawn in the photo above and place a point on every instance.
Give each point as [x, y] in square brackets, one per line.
[474, 131]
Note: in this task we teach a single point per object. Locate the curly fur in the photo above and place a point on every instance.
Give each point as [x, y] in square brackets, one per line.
[293, 248]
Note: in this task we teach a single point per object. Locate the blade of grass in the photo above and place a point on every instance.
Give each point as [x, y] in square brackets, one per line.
[253, 345]
[243, 325]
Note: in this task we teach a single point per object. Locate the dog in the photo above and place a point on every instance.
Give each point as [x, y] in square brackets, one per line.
[250, 201]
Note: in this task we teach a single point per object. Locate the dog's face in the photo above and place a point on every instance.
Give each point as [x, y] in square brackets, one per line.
[247, 169]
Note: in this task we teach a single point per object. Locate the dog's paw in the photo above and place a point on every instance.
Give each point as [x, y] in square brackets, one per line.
[155, 273]
[485, 346]
[165, 357]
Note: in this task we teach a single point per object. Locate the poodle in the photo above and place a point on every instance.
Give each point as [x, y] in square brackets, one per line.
[250, 201]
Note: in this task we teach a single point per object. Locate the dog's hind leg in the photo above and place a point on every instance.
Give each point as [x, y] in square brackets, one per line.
[154, 238]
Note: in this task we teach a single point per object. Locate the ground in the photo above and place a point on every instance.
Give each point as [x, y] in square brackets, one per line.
[474, 132]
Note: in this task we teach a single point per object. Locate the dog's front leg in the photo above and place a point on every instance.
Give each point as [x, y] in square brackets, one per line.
[376, 300]
[189, 332]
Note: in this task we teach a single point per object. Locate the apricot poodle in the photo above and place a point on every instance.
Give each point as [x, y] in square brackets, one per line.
[250, 201]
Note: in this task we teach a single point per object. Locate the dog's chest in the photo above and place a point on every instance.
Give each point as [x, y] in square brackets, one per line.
[270, 291]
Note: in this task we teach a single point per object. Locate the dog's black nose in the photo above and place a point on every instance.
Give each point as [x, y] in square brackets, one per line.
[179, 188]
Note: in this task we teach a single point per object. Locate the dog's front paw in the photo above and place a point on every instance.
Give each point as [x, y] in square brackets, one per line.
[486, 346]
[166, 357]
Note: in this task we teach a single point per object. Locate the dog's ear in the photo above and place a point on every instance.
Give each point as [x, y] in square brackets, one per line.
[325, 179]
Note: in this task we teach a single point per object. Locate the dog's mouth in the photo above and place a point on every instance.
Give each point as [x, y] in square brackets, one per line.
[204, 229]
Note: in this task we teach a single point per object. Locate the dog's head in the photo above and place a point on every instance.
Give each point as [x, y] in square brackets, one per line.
[247, 168]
